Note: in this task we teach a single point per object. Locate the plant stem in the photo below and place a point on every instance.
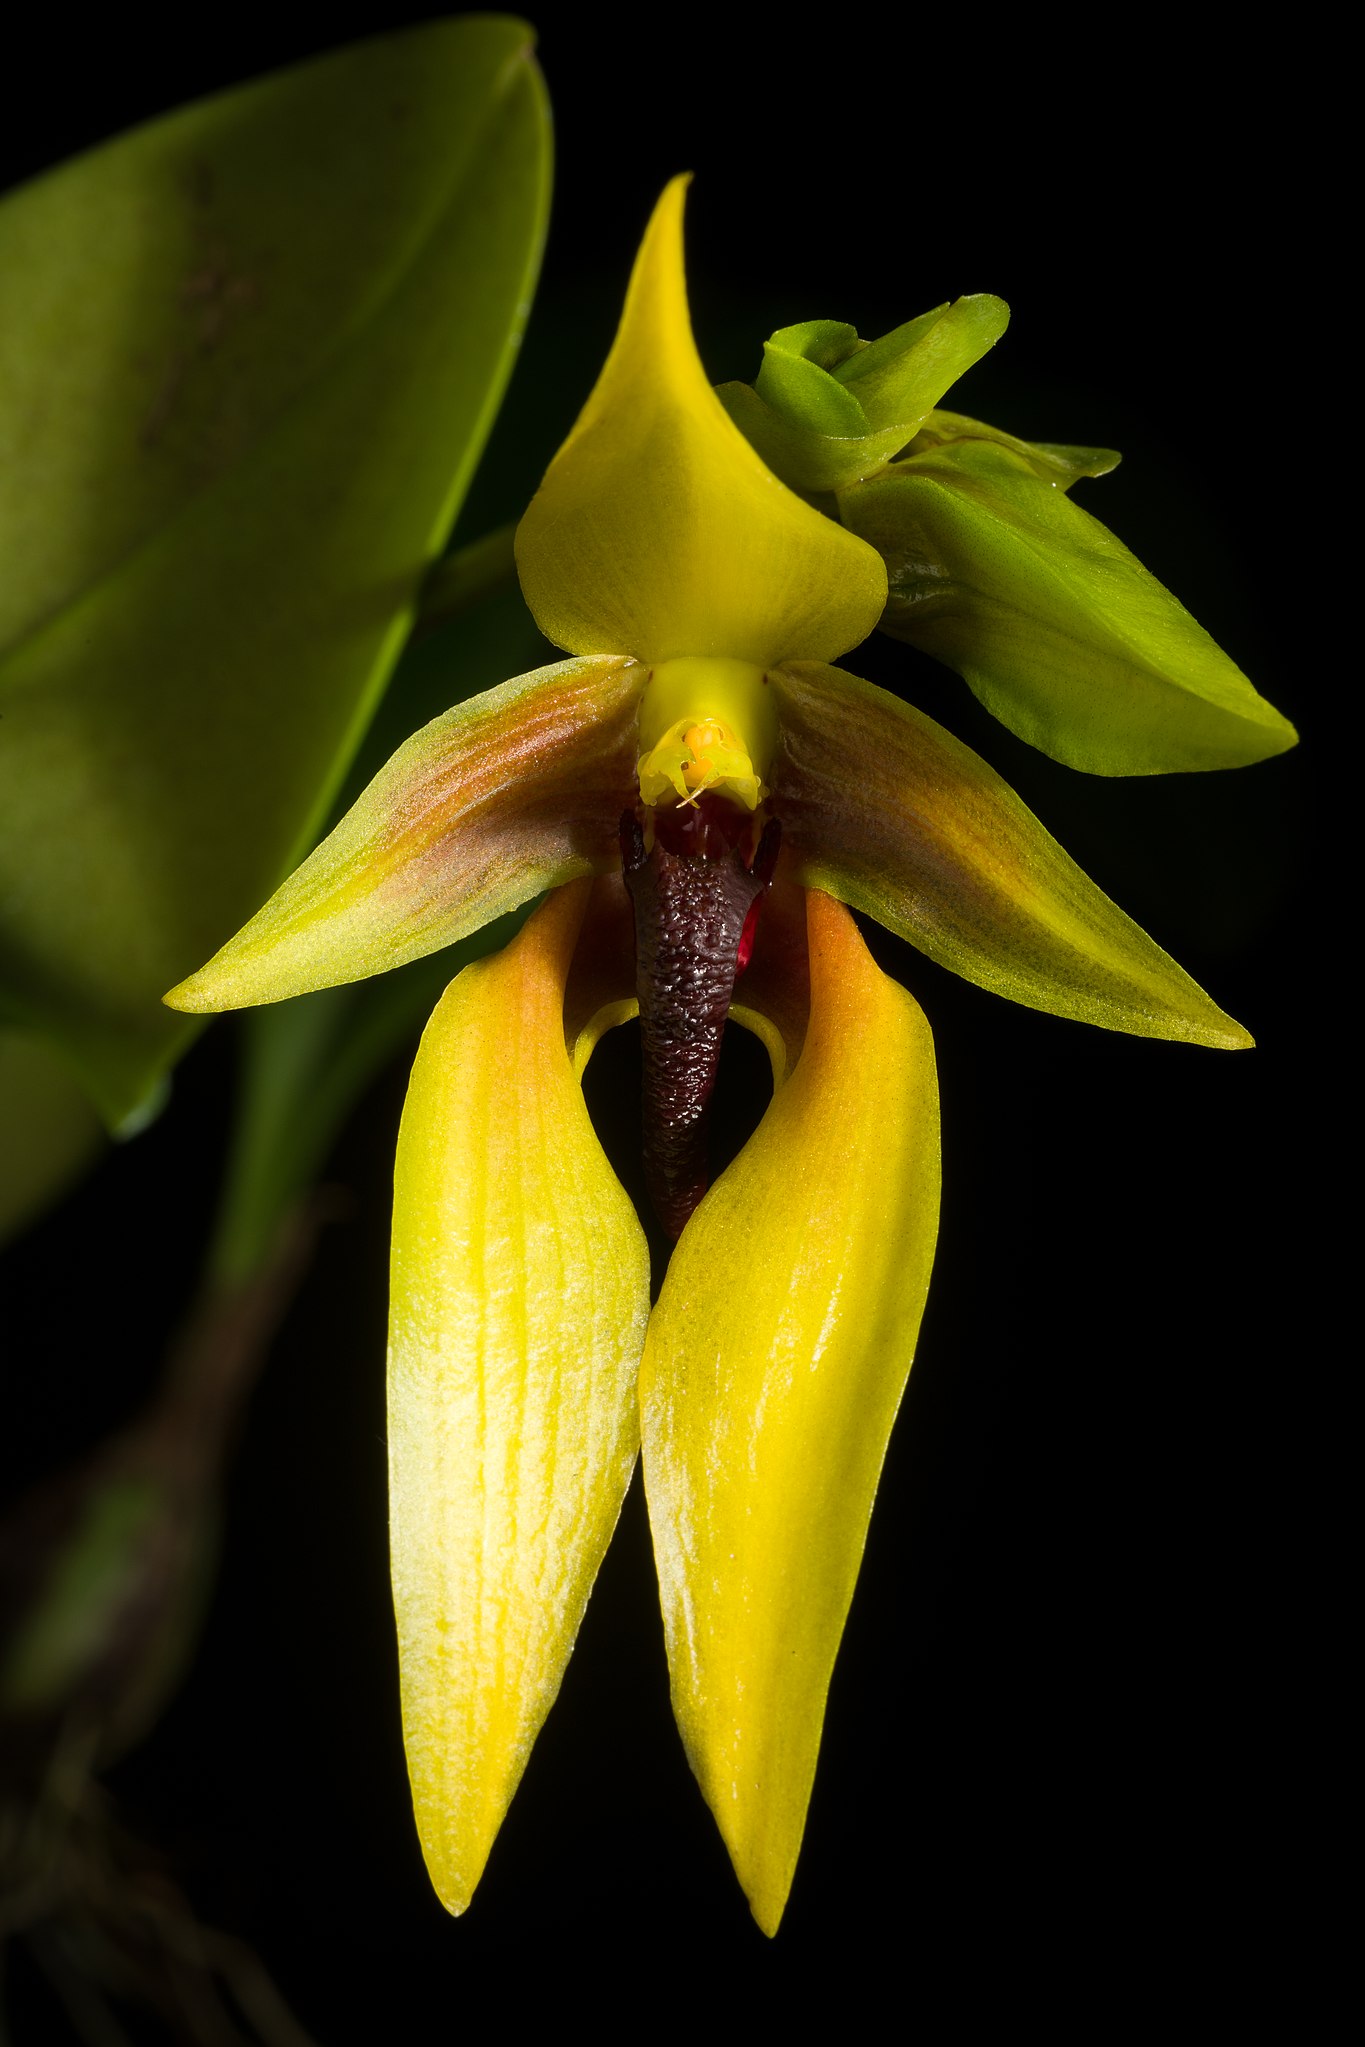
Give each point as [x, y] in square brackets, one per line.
[464, 578]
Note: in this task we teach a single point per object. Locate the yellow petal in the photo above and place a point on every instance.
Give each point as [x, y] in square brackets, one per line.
[518, 790]
[659, 533]
[520, 1287]
[773, 1368]
[888, 812]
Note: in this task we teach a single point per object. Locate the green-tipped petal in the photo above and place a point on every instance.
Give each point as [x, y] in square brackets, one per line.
[659, 533]
[802, 457]
[1059, 630]
[773, 1368]
[888, 812]
[828, 410]
[904, 374]
[520, 1288]
[516, 791]
[1056, 462]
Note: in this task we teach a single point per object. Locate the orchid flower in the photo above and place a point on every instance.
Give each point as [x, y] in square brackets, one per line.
[706, 799]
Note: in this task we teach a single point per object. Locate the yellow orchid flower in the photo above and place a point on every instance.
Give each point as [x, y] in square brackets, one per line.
[694, 761]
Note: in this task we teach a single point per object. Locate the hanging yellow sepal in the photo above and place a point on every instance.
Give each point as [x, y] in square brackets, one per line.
[774, 1364]
[515, 1335]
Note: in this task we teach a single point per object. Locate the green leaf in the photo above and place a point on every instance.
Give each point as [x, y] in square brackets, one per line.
[1059, 630]
[73, 1623]
[306, 1063]
[828, 410]
[49, 1134]
[249, 356]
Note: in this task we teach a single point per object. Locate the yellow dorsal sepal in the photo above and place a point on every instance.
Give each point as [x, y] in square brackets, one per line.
[658, 532]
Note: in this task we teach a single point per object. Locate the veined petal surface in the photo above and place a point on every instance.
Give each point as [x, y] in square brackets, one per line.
[518, 790]
[659, 533]
[773, 1368]
[889, 813]
[1061, 632]
[520, 1288]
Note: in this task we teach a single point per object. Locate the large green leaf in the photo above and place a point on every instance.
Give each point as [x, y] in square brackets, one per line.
[248, 357]
[307, 1062]
[1061, 632]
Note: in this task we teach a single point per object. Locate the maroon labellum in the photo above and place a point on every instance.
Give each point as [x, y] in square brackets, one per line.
[696, 899]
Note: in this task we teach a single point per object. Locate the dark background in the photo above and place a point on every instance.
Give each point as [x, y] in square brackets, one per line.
[1058, 1757]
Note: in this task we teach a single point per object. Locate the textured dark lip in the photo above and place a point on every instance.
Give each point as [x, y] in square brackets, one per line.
[694, 901]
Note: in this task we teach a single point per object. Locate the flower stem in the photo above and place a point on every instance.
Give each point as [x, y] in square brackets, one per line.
[465, 578]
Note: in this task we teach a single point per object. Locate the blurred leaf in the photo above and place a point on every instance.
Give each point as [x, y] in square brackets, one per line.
[249, 355]
[466, 576]
[91, 1579]
[1061, 632]
[306, 1063]
[49, 1134]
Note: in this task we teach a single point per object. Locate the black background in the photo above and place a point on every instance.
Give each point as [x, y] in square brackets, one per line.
[1057, 1762]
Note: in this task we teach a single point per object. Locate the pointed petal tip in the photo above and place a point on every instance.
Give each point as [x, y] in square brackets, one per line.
[766, 1911]
[191, 997]
[728, 562]
[1211, 1027]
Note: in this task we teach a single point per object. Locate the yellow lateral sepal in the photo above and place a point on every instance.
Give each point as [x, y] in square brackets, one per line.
[773, 1368]
[520, 1288]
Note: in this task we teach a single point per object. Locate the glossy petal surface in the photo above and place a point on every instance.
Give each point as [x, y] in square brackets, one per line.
[773, 1368]
[518, 790]
[659, 533]
[249, 355]
[520, 1288]
[1061, 632]
[885, 810]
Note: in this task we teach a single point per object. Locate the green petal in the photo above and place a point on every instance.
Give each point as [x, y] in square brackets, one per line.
[773, 1368]
[520, 1288]
[1059, 630]
[887, 811]
[658, 532]
[249, 355]
[905, 373]
[805, 459]
[797, 384]
[518, 790]
[1054, 461]
[828, 410]
[52, 1135]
